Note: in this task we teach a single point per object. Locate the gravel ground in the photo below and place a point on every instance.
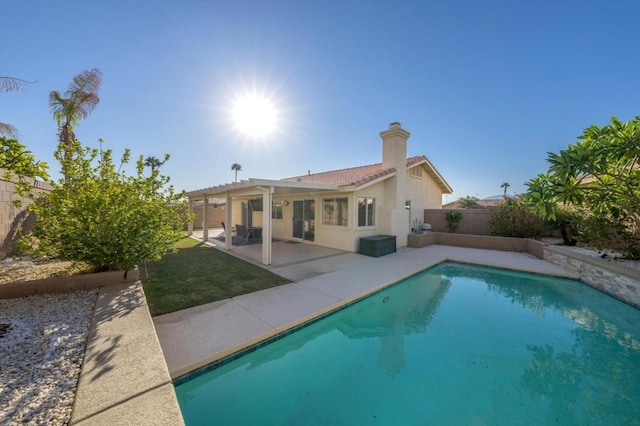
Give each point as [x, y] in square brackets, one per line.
[608, 255]
[42, 343]
[24, 269]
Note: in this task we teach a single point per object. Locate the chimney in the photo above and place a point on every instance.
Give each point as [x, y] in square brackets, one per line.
[394, 147]
[393, 214]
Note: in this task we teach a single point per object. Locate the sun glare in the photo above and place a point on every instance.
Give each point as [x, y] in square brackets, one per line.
[254, 115]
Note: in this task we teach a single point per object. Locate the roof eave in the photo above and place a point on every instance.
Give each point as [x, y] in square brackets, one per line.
[255, 183]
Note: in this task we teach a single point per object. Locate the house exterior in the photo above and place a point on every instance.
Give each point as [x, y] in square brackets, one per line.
[336, 208]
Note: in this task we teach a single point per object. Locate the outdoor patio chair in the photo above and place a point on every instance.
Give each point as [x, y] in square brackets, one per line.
[224, 228]
[243, 235]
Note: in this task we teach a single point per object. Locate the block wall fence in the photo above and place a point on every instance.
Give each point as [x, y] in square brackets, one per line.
[473, 222]
[13, 219]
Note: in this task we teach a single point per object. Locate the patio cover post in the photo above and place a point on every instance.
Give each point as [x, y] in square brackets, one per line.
[190, 211]
[228, 234]
[266, 224]
[205, 219]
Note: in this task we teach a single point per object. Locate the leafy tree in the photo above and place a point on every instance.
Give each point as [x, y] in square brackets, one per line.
[102, 216]
[21, 167]
[505, 185]
[75, 105]
[154, 163]
[236, 167]
[600, 173]
[469, 202]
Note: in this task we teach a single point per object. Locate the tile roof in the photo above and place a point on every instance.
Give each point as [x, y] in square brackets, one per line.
[354, 176]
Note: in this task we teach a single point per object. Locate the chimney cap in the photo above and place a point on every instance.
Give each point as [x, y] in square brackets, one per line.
[394, 125]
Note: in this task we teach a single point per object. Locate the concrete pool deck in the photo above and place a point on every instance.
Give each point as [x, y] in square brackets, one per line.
[197, 336]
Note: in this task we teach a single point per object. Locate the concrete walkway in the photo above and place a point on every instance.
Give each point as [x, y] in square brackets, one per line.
[124, 379]
[194, 337]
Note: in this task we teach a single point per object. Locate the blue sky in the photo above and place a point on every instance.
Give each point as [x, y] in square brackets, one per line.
[486, 88]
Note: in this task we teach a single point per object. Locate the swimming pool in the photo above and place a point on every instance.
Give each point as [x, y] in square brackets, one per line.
[455, 344]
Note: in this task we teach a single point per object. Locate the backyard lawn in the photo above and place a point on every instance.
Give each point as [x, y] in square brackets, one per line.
[198, 274]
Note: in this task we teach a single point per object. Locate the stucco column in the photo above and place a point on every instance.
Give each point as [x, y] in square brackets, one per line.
[228, 234]
[394, 155]
[205, 219]
[190, 211]
[266, 225]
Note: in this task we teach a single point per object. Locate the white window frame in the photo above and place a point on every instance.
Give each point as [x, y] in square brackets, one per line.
[277, 207]
[369, 214]
[341, 218]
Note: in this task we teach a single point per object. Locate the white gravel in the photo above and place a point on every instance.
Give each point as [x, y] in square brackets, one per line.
[608, 255]
[42, 343]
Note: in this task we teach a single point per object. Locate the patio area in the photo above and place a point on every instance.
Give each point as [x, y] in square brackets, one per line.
[290, 259]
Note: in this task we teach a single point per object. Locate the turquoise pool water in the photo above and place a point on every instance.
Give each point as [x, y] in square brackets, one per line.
[456, 345]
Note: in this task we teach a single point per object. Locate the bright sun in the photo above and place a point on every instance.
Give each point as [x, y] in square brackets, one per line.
[254, 115]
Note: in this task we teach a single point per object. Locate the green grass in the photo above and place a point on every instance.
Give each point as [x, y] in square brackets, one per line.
[198, 274]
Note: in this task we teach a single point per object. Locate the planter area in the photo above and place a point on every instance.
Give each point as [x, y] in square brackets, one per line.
[66, 284]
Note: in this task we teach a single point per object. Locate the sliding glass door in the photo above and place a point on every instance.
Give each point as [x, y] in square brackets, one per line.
[304, 223]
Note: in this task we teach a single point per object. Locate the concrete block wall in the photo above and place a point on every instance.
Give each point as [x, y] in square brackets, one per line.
[473, 222]
[215, 217]
[13, 219]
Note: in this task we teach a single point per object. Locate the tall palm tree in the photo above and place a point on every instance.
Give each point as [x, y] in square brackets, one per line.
[77, 103]
[236, 168]
[505, 185]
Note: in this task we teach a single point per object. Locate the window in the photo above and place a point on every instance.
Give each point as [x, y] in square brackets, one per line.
[276, 210]
[366, 211]
[335, 211]
[416, 171]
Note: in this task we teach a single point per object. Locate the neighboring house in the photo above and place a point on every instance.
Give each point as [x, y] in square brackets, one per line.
[334, 209]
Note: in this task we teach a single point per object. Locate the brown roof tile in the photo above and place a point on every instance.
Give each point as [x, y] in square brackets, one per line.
[355, 176]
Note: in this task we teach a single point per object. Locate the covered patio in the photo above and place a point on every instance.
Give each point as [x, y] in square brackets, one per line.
[290, 259]
[262, 190]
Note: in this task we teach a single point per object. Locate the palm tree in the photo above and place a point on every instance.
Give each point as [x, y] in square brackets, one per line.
[10, 84]
[154, 163]
[236, 168]
[77, 103]
[505, 185]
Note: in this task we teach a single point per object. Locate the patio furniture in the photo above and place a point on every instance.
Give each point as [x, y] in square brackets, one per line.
[224, 228]
[244, 234]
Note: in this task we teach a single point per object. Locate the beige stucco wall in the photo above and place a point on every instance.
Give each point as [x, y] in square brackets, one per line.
[424, 193]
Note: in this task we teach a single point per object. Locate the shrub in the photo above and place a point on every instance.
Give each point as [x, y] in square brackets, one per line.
[453, 217]
[102, 216]
[514, 219]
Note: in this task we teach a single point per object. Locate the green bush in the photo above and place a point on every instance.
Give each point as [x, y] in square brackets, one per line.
[453, 217]
[608, 232]
[100, 215]
[514, 219]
